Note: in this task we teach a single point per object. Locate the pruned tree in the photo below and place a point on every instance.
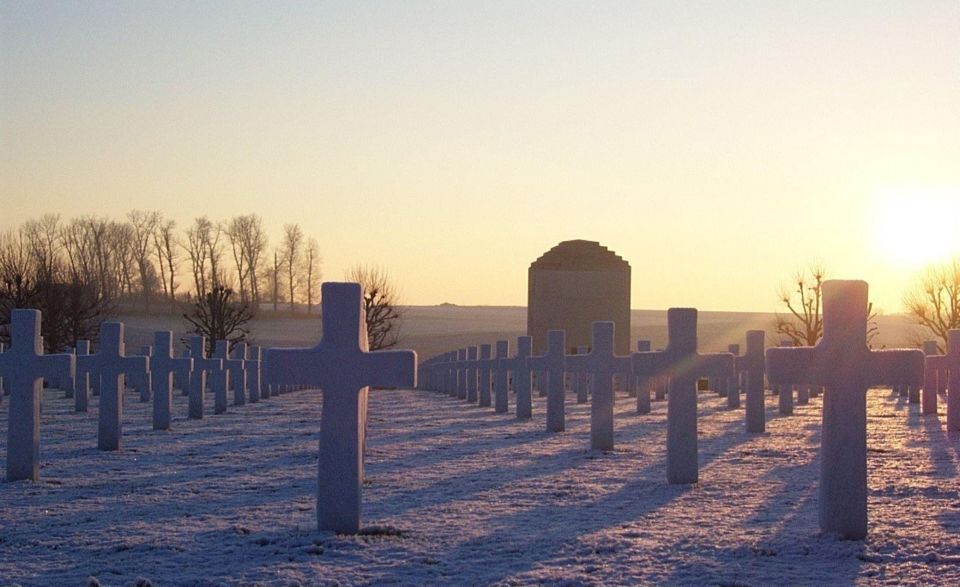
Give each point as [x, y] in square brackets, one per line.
[217, 315]
[803, 324]
[292, 244]
[934, 302]
[380, 305]
[311, 263]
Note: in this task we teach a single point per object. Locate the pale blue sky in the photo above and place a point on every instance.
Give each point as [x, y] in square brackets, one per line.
[717, 146]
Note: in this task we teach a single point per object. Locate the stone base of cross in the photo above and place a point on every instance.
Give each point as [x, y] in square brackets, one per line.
[844, 364]
[341, 366]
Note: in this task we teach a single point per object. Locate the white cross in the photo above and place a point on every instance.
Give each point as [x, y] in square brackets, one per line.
[81, 387]
[601, 364]
[732, 388]
[552, 363]
[163, 364]
[472, 374]
[751, 364]
[642, 383]
[501, 377]
[23, 368]
[485, 364]
[947, 366]
[341, 366]
[198, 379]
[237, 370]
[520, 375]
[683, 365]
[111, 366]
[843, 363]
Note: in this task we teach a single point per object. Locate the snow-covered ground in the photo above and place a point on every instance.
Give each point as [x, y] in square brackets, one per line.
[457, 495]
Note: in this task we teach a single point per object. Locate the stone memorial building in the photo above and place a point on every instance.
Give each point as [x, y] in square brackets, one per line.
[573, 285]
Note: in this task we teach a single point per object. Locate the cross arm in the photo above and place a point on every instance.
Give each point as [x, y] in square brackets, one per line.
[786, 365]
[714, 365]
[896, 367]
[390, 369]
[649, 364]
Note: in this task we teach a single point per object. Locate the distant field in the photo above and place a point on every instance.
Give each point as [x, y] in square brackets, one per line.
[434, 329]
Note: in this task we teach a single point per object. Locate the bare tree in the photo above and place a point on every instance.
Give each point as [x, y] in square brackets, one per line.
[199, 236]
[312, 270]
[255, 245]
[71, 309]
[934, 302]
[44, 243]
[165, 241]
[275, 278]
[143, 225]
[236, 230]
[292, 243]
[218, 316]
[380, 305]
[803, 325]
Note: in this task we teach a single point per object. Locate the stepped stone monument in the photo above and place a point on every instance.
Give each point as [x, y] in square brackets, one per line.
[573, 285]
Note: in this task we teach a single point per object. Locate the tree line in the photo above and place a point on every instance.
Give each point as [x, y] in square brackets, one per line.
[81, 269]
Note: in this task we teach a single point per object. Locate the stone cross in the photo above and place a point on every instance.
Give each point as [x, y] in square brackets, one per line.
[785, 392]
[501, 377]
[682, 364]
[23, 368]
[163, 365]
[751, 365]
[928, 401]
[643, 383]
[601, 364]
[947, 366]
[552, 365]
[522, 378]
[111, 366]
[472, 374]
[237, 369]
[251, 358]
[141, 382]
[462, 374]
[485, 364]
[181, 380]
[81, 388]
[843, 363]
[198, 379]
[341, 366]
[733, 384]
[582, 380]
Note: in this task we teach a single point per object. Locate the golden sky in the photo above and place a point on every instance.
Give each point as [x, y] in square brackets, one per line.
[717, 146]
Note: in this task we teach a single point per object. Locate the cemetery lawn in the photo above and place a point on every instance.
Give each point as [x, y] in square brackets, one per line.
[456, 495]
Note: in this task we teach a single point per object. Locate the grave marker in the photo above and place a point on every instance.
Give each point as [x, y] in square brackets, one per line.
[501, 377]
[682, 365]
[111, 367]
[23, 368]
[551, 364]
[342, 367]
[163, 365]
[947, 367]
[198, 379]
[843, 363]
[601, 364]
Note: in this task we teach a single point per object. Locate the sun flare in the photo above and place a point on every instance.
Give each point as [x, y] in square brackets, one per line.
[917, 226]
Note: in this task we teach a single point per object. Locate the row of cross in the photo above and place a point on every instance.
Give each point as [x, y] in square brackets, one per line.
[842, 363]
[341, 366]
[155, 372]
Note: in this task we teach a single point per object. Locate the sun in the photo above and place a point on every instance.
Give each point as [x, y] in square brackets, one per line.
[917, 226]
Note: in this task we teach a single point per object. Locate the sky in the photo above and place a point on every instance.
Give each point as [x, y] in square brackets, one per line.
[717, 146]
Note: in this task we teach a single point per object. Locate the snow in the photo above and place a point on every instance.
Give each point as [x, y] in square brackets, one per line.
[456, 494]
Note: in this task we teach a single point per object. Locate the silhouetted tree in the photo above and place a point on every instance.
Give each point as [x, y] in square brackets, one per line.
[803, 325]
[380, 305]
[934, 302]
[217, 316]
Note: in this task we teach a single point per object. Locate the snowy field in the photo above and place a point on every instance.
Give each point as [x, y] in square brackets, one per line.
[457, 495]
